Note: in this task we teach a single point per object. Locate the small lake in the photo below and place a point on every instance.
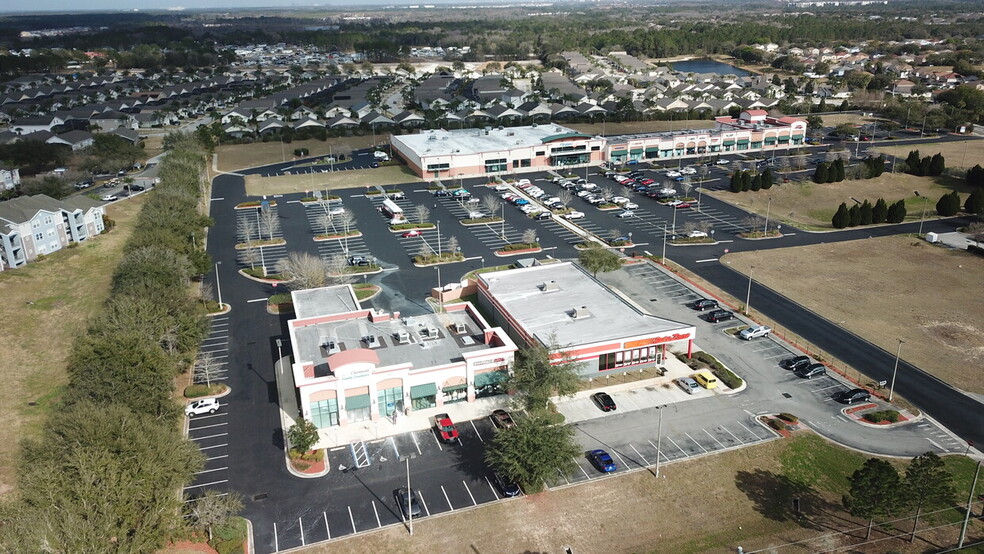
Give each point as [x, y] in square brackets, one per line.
[709, 66]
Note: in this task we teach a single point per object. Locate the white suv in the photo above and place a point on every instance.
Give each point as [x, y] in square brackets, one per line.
[203, 406]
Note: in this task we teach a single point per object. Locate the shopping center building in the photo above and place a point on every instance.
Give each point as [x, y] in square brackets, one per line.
[493, 151]
[355, 364]
[562, 305]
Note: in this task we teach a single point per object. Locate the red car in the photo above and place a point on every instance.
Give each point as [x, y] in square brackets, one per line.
[412, 233]
[445, 428]
[682, 205]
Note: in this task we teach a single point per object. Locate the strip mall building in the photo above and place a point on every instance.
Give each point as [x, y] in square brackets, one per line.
[355, 364]
[450, 154]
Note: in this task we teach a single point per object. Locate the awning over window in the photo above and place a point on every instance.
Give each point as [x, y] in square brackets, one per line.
[797, 137]
[635, 151]
[783, 139]
[357, 402]
[770, 140]
[741, 141]
[454, 388]
[491, 378]
[729, 143]
[652, 149]
[421, 391]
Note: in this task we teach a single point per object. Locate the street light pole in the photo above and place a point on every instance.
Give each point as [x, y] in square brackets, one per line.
[674, 219]
[891, 391]
[923, 216]
[767, 210]
[408, 507]
[280, 366]
[748, 294]
[664, 245]
[218, 288]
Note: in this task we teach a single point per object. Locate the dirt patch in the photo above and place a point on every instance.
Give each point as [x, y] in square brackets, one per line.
[812, 205]
[51, 299]
[257, 185]
[885, 289]
[962, 154]
[240, 156]
[836, 119]
[628, 127]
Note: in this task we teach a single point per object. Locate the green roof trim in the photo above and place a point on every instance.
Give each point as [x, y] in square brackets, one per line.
[728, 142]
[564, 136]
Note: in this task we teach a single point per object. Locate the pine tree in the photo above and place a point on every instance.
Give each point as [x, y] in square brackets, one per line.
[820, 175]
[854, 216]
[756, 182]
[912, 162]
[841, 217]
[767, 179]
[975, 202]
[896, 212]
[937, 164]
[975, 176]
[838, 171]
[948, 205]
[736, 181]
[880, 212]
[865, 213]
[925, 166]
[746, 181]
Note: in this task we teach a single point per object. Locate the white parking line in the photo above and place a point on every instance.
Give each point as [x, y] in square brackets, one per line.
[732, 434]
[619, 456]
[433, 433]
[469, 493]
[639, 454]
[211, 447]
[707, 260]
[223, 481]
[352, 519]
[210, 436]
[327, 530]
[661, 453]
[216, 457]
[208, 426]
[375, 511]
[582, 469]
[420, 496]
[834, 386]
[685, 455]
[446, 498]
[300, 525]
[257, 300]
[476, 431]
[393, 441]
[210, 470]
[713, 438]
[937, 445]
[276, 543]
[561, 473]
[494, 494]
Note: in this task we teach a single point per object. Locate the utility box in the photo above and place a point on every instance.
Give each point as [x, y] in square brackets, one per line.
[932, 237]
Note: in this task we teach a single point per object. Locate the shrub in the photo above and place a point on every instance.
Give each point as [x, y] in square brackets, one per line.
[890, 416]
[785, 416]
[301, 151]
[520, 246]
[198, 391]
[975, 202]
[778, 424]
[880, 212]
[280, 298]
[949, 204]
[841, 218]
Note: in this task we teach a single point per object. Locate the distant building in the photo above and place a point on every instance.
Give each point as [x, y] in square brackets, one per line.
[35, 225]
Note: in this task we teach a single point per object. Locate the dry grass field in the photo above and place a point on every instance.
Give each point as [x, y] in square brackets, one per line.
[44, 306]
[890, 288]
[257, 185]
[241, 156]
[812, 205]
[711, 504]
[962, 154]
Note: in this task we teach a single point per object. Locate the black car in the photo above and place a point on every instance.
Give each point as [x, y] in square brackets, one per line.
[800, 365]
[810, 371]
[851, 396]
[442, 193]
[605, 402]
[137, 188]
[791, 363]
[634, 174]
[704, 304]
[409, 505]
[542, 215]
[509, 489]
[359, 260]
[720, 315]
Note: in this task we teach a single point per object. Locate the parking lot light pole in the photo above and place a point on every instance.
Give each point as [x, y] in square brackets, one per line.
[218, 288]
[767, 210]
[406, 458]
[280, 366]
[674, 219]
[748, 294]
[923, 216]
[664, 245]
[891, 390]
[659, 437]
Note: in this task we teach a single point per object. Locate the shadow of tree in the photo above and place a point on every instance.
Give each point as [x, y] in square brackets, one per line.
[775, 497]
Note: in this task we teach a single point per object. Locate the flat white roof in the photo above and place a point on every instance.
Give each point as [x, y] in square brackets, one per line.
[565, 301]
[476, 141]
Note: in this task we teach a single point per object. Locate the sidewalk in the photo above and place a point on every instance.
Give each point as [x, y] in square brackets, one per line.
[637, 395]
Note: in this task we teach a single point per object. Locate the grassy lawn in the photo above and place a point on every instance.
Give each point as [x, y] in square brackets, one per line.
[811, 205]
[257, 185]
[240, 156]
[712, 504]
[962, 154]
[51, 302]
[882, 293]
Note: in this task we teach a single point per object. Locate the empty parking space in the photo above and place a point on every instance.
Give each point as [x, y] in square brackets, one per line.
[213, 354]
[210, 433]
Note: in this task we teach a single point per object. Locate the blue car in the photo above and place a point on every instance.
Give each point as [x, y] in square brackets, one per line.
[521, 202]
[602, 461]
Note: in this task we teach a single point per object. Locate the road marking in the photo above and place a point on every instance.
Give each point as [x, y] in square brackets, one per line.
[216, 199]
[300, 525]
[639, 454]
[713, 438]
[476, 431]
[352, 520]
[732, 434]
[726, 241]
[276, 543]
[257, 300]
[685, 455]
[327, 530]
[469, 493]
[221, 435]
[562, 475]
[707, 260]
[210, 470]
[582, 470]
[934, 443]
[420, 495]
[393, 440]
[433, 433]
[620, 459]
[659, 450]
[216, 457]
[375, 511]
[226, 481]
[446, 498]
[211, 447]
[494, 494]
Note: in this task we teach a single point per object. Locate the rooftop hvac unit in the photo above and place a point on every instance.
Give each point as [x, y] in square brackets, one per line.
[460, 328]
[432, 332]
[403, 337]
[371, 341]
[332, 347]
[580, 313]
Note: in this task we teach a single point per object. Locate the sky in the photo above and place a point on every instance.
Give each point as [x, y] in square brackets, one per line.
[34, 6]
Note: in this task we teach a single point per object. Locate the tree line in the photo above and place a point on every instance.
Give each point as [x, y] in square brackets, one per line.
[103, 473]
[742, 181]
[865, 213]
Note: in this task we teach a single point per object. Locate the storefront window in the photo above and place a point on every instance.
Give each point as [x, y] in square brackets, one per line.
[390, 400]
[423, 396]
[456, 393]
[324, 413]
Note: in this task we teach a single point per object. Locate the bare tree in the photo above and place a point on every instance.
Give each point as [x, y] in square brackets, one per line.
[245, 229]
[251, 254]
[270, 222]
[491, 204]
[976, 232]
[614, 234]
[686, 186]
[784, 164]
[213, 509]
[422, 212]
[689, 227]
[705, 226]
[305, 271]
[327, 222]
[753, 222]
[207, 368]
[607, 192]
[336, 269]
[347, 220]
[453, 245]
[529, 237]
[565, 196]
[799, 161]
[626, 192]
